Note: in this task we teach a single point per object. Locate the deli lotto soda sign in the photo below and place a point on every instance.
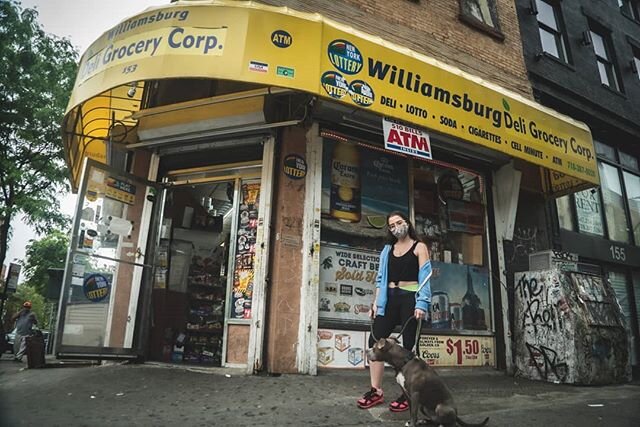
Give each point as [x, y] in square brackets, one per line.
[406, 139]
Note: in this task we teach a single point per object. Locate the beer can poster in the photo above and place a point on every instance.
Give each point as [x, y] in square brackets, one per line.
[347, 284]
[459, 298]
[456, 350]
[360, 186]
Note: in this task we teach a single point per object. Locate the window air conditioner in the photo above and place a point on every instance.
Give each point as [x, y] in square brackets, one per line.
[564, 261]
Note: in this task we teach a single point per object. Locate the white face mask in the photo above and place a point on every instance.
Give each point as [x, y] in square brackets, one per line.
[400, 231]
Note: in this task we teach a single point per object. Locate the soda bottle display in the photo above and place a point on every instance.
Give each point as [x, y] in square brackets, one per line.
[472, 313]
[345, 183]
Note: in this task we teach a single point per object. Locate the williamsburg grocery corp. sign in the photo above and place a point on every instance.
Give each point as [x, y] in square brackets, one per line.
[235, 41]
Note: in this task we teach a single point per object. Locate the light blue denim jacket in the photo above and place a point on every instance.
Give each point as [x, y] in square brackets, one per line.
[423, 295]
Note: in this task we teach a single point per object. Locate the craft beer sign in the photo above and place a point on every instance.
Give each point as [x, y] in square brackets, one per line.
[405, 139]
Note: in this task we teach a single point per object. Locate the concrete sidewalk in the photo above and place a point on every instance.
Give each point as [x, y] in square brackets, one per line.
[163, 395]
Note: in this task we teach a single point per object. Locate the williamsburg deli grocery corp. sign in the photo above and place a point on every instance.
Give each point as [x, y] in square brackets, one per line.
[214, 41]
[433, 98]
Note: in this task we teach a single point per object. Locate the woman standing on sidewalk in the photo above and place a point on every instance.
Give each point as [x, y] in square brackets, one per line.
[403, 294]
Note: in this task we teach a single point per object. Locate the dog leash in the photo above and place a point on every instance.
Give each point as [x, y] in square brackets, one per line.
[417, 345]
[399, 333]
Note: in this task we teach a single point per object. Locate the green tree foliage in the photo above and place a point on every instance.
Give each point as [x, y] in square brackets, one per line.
[37, 72]
[38, 305]
[42, 254]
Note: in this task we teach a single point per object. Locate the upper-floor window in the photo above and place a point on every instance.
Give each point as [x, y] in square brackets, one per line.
[551, 29]
[636, 61]
[604, 58]
[482, 14]
[630, 8]
[613, 210]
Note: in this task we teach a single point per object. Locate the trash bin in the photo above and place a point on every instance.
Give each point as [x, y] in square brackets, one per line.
[35, 351]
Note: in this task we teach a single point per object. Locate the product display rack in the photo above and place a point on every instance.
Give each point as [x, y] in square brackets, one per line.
[205, 315]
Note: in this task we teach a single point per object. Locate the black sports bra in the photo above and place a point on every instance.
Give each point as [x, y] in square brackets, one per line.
[403, 268]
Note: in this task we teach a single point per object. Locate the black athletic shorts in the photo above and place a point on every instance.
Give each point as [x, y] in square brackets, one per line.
[400, 307]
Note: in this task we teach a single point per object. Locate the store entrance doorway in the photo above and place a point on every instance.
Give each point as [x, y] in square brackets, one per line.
[190, 291]
[207, 235]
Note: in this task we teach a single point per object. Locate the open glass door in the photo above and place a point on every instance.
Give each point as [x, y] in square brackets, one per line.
[106, 265]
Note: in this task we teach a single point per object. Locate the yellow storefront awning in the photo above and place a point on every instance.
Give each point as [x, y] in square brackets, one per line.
[255, 43]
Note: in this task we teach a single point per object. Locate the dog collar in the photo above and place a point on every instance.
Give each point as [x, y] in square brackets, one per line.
[409, 357]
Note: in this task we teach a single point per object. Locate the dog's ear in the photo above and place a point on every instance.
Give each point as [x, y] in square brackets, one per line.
[380, 344]
[387, 343]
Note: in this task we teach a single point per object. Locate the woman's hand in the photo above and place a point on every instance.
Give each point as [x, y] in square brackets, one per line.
[373, 311]
[419, 314]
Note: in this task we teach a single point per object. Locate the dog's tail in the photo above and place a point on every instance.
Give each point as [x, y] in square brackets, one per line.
[463, 424]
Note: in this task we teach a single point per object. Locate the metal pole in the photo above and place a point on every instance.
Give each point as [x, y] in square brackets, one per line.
[4, 298]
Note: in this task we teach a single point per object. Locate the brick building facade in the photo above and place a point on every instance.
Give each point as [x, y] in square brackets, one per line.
[437, 28]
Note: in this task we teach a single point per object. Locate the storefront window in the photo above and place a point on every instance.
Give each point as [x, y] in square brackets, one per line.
[629, 162]
[632, 185]
[449, 217]
[565, 217]
[361, 185]
[605, 151]
[613, 203]
[589, 212]
[610, 202]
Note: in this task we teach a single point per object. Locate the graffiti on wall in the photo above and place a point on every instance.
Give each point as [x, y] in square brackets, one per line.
[568, 329]
[541, 314]
[538, 313]
[553, 366]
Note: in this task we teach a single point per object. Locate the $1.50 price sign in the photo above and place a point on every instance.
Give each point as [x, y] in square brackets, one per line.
[443, 350]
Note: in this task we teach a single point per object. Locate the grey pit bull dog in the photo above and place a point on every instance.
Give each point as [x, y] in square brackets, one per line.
[424, 389]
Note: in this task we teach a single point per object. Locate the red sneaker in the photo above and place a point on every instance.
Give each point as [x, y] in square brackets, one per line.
[371, 399]
[399, 405]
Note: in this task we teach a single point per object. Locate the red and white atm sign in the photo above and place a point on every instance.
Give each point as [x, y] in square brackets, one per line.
[406, 139]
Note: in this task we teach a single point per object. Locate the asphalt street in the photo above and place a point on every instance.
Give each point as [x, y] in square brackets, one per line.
[163, 395]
